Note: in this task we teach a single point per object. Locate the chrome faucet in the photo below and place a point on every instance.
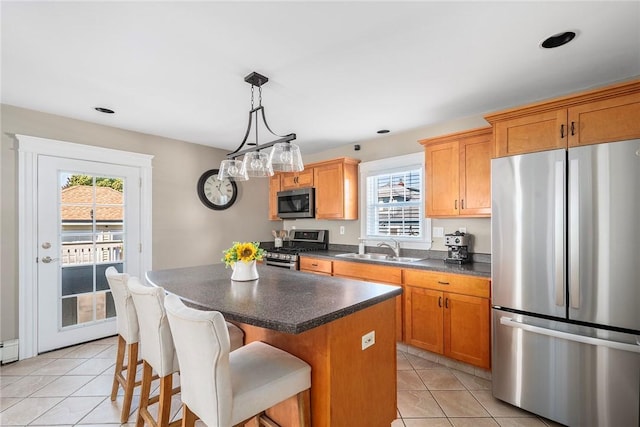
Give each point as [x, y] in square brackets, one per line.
[395, 248]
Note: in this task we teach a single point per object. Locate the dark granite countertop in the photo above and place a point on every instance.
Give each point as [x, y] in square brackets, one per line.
[283, 300]
[480, 269]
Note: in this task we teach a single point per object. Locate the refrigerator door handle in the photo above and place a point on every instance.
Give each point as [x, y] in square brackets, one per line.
[574, 233]
[558, 232]
[507, 321]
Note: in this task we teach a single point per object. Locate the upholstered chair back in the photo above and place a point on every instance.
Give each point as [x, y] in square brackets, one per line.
[126, 316]
[202, 344]
[156, 341]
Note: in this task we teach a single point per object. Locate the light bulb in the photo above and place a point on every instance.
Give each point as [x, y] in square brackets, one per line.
[285, 157]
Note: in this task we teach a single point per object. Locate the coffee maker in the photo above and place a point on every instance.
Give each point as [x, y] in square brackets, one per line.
[458, 248]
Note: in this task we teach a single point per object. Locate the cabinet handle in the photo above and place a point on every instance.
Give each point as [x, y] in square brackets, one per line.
[573, 130]
[314, 265]
[439, 301]
[561, 131]
[455, 204]
[462, 204]
[443, 283]
[446, 303]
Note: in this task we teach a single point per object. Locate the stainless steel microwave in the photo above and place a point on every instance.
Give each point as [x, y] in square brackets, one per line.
[298, 203]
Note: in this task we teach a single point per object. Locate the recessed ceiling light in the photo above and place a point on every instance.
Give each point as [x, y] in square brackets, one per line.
[104, 110]
[558, 40]
[381, 131]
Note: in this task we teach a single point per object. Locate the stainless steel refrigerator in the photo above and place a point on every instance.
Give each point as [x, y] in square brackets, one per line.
[565, 232]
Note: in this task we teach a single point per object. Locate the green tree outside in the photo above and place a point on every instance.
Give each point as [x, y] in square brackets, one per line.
[115, 183]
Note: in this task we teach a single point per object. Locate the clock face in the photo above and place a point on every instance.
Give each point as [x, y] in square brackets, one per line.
[214, 193]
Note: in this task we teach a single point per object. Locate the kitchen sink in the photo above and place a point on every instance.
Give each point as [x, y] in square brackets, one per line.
[380, 257]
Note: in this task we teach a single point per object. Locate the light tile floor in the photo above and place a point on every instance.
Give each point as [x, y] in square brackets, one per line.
[71, 387]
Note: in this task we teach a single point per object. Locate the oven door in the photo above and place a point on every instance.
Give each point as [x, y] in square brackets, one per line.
[291, 265]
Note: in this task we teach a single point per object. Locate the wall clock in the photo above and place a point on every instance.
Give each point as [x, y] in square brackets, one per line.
[216, 194]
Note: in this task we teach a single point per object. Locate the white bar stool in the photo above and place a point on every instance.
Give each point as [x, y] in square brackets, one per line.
[128, 337]
[158, 353]
[225, 388]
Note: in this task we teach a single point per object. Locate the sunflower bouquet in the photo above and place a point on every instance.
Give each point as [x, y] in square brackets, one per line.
[242, 251]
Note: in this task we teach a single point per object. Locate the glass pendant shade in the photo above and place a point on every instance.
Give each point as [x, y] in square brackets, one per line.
[286, 157]
[233, 169]
[256, 164]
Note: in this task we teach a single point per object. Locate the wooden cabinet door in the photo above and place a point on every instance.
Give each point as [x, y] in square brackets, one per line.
[329, 185]
[424, 318]
[315, 265]
[531, 133]
[475, 175]
[615, 119]
[467, 329]
[442, 170]
[292, 180]
[274, 187]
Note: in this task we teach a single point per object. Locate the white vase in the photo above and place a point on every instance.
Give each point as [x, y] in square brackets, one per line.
[244, 271]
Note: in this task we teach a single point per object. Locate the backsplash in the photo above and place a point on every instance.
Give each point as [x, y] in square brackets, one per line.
[416, 253]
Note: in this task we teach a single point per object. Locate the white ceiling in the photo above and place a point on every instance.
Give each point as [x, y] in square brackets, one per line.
[338, 71]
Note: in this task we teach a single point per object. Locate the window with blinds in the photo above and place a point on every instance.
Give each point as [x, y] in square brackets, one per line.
[394, 204]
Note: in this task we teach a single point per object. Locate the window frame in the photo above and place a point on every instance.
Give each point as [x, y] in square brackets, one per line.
[390, 165]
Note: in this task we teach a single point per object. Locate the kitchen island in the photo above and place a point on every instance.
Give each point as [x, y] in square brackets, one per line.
[320, 319]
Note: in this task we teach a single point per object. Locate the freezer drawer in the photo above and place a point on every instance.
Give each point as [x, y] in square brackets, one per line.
[569, 374]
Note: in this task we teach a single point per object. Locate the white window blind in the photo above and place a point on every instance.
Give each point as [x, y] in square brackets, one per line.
[394, 204]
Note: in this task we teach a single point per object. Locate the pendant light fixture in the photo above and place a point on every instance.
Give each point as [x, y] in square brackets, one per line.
[284, 156]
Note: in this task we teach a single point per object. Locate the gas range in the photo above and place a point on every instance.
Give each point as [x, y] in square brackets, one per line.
[300, 241]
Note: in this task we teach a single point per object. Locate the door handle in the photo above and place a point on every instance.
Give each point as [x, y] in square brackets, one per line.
[48, 259]
[558, 231]
[439, 301]
[561, 131]
[506, 321]
[574, 233]
[446, 303]
[455, 204]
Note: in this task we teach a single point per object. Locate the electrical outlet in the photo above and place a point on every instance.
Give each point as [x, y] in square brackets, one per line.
[368, 339]
[438, 231]
[462, 229]
[342, 230]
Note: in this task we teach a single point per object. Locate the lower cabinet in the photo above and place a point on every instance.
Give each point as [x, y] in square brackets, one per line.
[448, 314]
[315, 265]
[443, 313]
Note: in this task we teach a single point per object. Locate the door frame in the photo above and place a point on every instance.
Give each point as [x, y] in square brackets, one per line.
[29, 149]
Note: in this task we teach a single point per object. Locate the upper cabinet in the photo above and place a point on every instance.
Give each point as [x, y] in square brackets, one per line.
[293, 180]
[336, 183]
[336, 188]
[602, 115]
[458, 174]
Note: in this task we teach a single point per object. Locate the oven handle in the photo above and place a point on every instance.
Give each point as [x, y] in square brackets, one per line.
[282, 264]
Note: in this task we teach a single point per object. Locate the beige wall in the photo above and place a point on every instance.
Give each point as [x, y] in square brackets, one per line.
[185, 233]
[397, 144]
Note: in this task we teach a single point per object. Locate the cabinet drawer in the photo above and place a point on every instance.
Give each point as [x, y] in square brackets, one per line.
[369, 272]
[456, 283]
[315, 265]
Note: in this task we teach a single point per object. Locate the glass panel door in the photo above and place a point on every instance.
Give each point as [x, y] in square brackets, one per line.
[94, 225]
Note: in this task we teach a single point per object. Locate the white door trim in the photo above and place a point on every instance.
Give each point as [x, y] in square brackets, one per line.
[29, 148]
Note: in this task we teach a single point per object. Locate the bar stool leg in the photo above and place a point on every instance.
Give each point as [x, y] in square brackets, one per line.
[129, 382]
[118, 369]
[145, 391]
[132, 365]
[188, 417]
[304, 408]
[164, 410]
